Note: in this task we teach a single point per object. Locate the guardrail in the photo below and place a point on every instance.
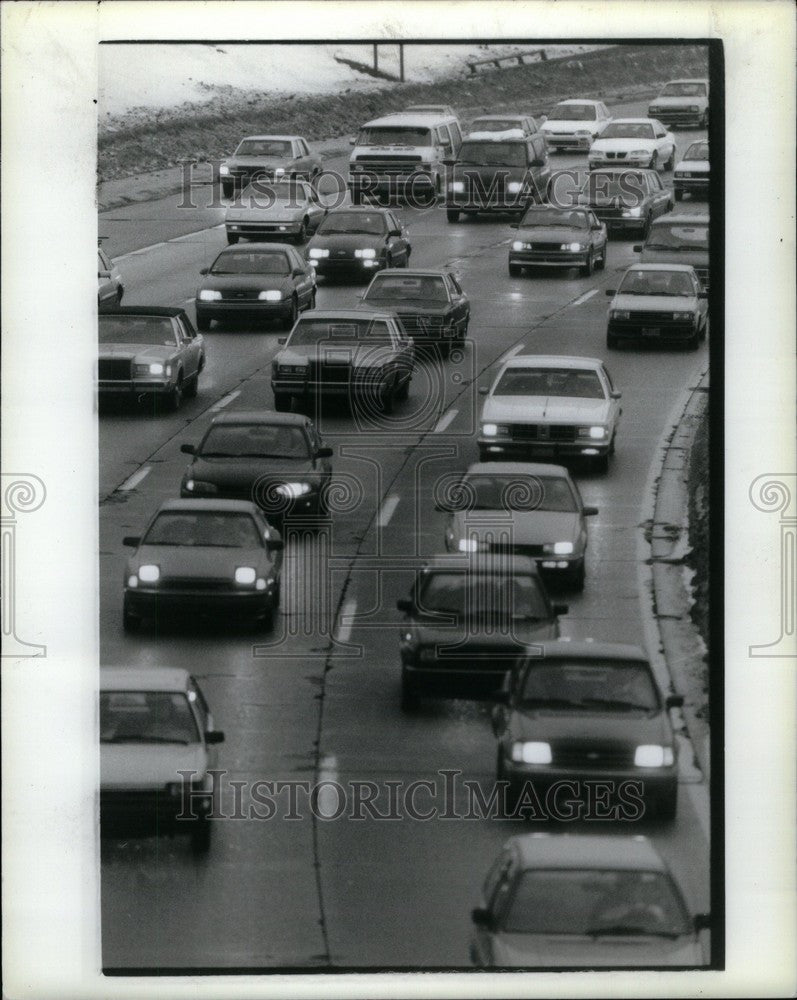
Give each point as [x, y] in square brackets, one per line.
[514, 57]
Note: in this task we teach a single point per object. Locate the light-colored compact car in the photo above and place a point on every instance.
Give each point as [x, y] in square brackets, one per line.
[693, 173]
[682, 102]
[558, 237]
[633, 142]
[110, 288]
[583, 901]
[546, 406]
[157, 750]
[524, 509]
[508, 125]
[269, 157]
[575, 124]
[275, 210]
[658, 303]
[679, 238]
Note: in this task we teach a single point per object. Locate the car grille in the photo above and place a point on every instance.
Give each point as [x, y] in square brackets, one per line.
[614, 156]
[205, 583]
[667, 116]
[114, 369]
[325, 371]
[535, 551]
[241, 295]
[543, 432]
[654, 318]
[393, 164]
[587, 754]
[418, 323]
[609, 213]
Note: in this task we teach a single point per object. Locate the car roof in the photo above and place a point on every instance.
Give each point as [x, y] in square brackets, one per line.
[257, 248]
[479, 562]
[143, 679]
[659, 267]
[578, 100]
[552, 361]
[516, 468]
[359, 208]
[633, 121]
[587, 649]
[590, 851]
[228, 506]
[620, 170]
[143, 311]
[700, 218]
[285, 138]
[353, 314]
[501, 118]
[268, 417]
[415, 272]
[499, 137]
[420, 118]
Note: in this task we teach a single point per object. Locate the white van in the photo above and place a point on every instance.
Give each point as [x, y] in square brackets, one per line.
[403, 153]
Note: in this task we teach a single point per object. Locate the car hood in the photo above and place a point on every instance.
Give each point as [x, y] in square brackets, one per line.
[561, 724]
[551, 409]
[575, 950]
[347, 241]
[261, 210]
[487, 173]
[246, 282]
[528, 527]
[137, 766]
[541, 234]
[197, 562]
[500, 637]
[678, 102]
[406, 306]
[655, 303]
[697, 258]
[239, 473]
[568, 127]
[694, 166]
[141, 352]
[360, 355]
[622, 145]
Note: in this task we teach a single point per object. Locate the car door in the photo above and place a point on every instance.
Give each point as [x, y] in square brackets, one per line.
[482, 953]
[660, 196]
[615, 409]
[598, 234]
[396, 241]
[315, 210]
[322, 465]
[460, 305]
[665, 143]
[539, 165]
[403, 348]
[190, 345]
[303, 283]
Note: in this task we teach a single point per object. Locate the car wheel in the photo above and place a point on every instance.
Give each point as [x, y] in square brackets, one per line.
[678, 194]
[463, 330]
[228, 190]
[387, 397]
[578, 575]
[265, 623]
[694, 341]
[602, 261]
[515, 270]
[511, 791]
[231, 239]
[191, 387]
[611, 341]
[410, 699]
[313, 296]
[290, 319]
[589, 267]
[388, 260]
[671, 160]
[175, 397]
[200, 836]
[282, 402]
[301, 236]
[646, 228]
[202, 323]
[665, 805]
[130, 622]
[452, 214]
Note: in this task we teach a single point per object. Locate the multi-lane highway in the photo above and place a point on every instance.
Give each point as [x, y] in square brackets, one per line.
[318, 699]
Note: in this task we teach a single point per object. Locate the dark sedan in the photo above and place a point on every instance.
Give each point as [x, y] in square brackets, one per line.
[558, 237]
[588, 711]
[218, 558]
[276, 460]
[626, 199]
[468, 620]
[357, 242]
[432, 306]
[267, 281]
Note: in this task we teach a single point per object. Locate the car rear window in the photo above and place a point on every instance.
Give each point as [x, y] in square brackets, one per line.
[146, 717]
[668, 236]
[574, 113]
[395, 135]
[673, 283]
[482, 596]
[152, 330]
[254, 441]
[428, 287]
[256, 262]
[264, 147]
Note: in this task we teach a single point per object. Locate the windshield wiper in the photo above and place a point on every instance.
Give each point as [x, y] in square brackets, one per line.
[552, 702]
[618, 703]
[143, 739]
[262, 454]
[218, 454]
[630, 929]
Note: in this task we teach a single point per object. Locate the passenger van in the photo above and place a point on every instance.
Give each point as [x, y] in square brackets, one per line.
[403, 153]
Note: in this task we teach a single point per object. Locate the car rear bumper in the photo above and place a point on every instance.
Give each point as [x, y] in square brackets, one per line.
[154, 810]
[673, 332]
[691, 184]
[153, 604]
[448, 680]
[525, 451]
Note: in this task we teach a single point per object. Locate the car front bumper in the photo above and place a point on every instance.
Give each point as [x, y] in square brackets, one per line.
[263, 230]
[697, 183]
[135, 387]
[526, 451]
[329, 266]
[564, 141]
[597, 160]
[248, 307]
[154, 808]
[539, 258]
[152, 603]
[678, 116]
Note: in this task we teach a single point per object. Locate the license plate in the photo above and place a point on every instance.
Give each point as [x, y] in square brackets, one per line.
[543, 449]
[650, 331]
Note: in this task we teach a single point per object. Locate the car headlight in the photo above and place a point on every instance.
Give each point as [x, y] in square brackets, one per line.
[293, 490]
[562, 548]
[209, 295]
[494, 430]
[458, 187]
[682, 316]
[632, 213]
[597, 433]
[224, 170]
[639, 152]
[572, 247]
[316, 252]
[245, 575]
[199, 486]
[270, 296]
[368, 253]
[582, 131]
[132, 580]
[620, 314]
[519, 245]
[653, 109]
[469, 545]
[279, 171]
[652, 755]
[531, 753]
[149, 574]
[514, 186]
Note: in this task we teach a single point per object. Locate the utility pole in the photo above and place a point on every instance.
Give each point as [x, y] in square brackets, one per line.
[401, 61]
[376, 56]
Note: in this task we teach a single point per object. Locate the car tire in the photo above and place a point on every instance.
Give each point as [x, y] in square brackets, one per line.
[301, 236]
[202, 323]
[678, 194]
[174, 398]
[646, 227]
[388, 260]
[231, 239]
[463, 330]
[289, 320]
[511, 795]
[601, 463]
[601, 264]
[452, 214]
[312, 300]
[410, 699]
[130, 622]
[200, 836]
[611, 341]
[587, 269]
[515, 270]
[387, 397]
[665, 805]
[227, 190]
[578, 577]
[191, 387]
[671, 160]
[282, 402]
[694, 341]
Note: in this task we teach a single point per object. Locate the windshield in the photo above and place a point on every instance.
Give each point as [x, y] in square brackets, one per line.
[204, 529]
[252, 262]
[482, 596]
[153, 330]
[574, 113]
[669, 236]
[697, 151]
[656, 283]
[254, 441]
[343, 333]
[514, 492]
[684, 89]
[372, 223]
[550, 382]
[591, 684]
[551, 218]
[584, 901]
[493, 154]
[427, 287]
[146, 717]
[264, 147]
[617, 130]
[394, 135]
[496, 124]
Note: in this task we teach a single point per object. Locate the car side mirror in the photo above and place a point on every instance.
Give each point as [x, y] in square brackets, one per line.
[405, 604]
[611, 291]
[324, 452]
[214, 736]
[449, 161]
[638, 248]
[702, 921]
[702, 295]
[590, 511]
[514, 225]
[103, 274]
[483, 390]
[560, 609]
[616, 395]
[131, 540]
[394, 232]
[674, 701]
[275, 545]
[482, 918]
[204, 270]
[298, 272]
[282, 341]
[188, 449]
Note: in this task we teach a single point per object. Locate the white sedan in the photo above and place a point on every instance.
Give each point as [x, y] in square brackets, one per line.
[636, 142]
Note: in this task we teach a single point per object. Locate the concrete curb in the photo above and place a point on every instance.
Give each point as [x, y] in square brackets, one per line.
[675, 645]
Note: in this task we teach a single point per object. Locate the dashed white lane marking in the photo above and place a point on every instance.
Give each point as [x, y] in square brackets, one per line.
[445, 421]
[163, 243]
[347, 613]
[510, 354]
[135, 479]
[225, 401]
[328, 802]
[583, 298]
[386, 511]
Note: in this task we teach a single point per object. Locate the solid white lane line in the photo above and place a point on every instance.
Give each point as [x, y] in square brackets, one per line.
[134, 480]
[510, 354]
[583, 298]
[328, 802]
[445, 420]
[386, 511]
[698, 793]
[347, 613]
[225, 401]
[157, 246]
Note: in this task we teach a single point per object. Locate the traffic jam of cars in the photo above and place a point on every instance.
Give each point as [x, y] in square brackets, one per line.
[493, 598]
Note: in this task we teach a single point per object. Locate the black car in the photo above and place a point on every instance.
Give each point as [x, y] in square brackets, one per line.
[581, 711]
[358, 242]
[626, 199]
[558, 237]
[430, 304]
[469, 618]
[269, 157]
[497, 175]
[277, 460]
[264, 281]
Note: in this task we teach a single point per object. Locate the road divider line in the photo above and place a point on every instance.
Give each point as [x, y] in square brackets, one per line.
[583, 298]
[387, 510]
[328, 803]
[225, 401]
[135, 479]
[445, 421]
[347, 613]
